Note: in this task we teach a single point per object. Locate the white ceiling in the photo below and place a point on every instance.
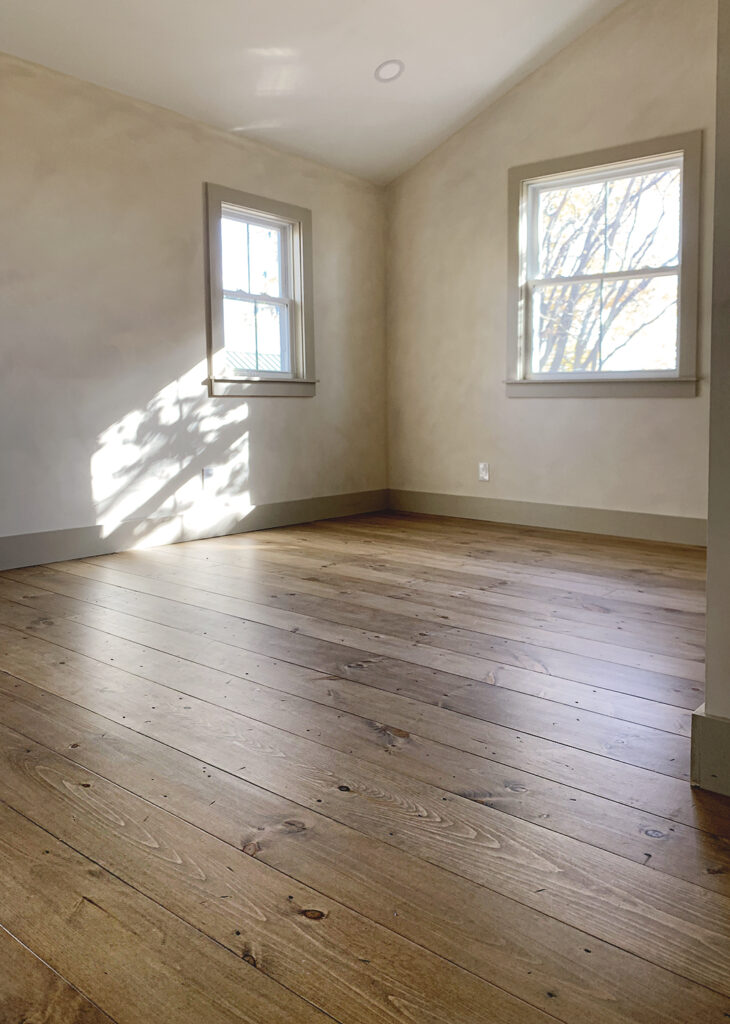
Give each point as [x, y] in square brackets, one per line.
[298, 74]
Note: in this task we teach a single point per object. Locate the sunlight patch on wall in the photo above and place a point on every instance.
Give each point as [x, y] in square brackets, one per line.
[176, 469]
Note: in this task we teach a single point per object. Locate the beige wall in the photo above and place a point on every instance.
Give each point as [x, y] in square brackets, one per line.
[647, 70]
[104, 417]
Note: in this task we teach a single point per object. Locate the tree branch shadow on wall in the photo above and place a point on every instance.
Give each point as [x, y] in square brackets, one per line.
[175, 469]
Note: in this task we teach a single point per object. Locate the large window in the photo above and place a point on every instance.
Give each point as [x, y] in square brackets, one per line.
[607, 272]
[260, 325]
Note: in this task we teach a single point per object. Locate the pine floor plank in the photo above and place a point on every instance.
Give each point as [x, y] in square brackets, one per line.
[356, 537]
[475, 664]
[643, 789]
[313, 561]
[560, 628]
[31, 992]
[562, 970]
[355, 971]
[448, 637]
[218, 551]
[391, 768]
[635, 744]
[134, 959]
[612, 898]
[386, 733]
[648, 564]
[680, 595]
[441, 688]
[633, 558]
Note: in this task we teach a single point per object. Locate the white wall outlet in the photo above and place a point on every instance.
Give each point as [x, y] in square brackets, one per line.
[483, 470]
[207, 473]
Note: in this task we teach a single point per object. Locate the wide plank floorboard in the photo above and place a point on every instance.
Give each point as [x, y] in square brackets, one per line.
[31, 991]
[384, 769]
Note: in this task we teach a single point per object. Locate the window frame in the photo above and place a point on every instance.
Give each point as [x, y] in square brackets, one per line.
[295, 224]
[599, 165]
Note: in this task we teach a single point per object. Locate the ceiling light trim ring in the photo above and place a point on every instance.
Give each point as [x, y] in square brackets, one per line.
[389, 70]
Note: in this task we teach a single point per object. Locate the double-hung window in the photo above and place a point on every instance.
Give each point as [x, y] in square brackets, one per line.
[259, 271]
[604, 272]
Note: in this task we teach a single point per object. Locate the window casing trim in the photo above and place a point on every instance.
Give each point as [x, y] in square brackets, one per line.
[603, 165]
[295, 223]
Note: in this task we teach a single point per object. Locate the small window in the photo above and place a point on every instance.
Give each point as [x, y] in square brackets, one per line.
[260, 333]
[606, 268]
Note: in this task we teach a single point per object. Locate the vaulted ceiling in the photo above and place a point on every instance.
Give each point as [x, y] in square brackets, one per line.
[299, 74]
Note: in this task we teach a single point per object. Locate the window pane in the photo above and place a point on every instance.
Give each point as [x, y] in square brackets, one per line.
[264, 246]
[239, 331]
[234, 241]
[621, 224]
[256, 337]
[570, 229]
[640, 324]
[566, 321]
[609, 326]
[251, 257]
[271, 326]
[642, 221]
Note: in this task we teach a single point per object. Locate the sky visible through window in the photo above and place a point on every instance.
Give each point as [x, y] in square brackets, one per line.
[256, 332]
[591, 231]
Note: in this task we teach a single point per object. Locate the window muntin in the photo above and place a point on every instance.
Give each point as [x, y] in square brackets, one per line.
[602, 271]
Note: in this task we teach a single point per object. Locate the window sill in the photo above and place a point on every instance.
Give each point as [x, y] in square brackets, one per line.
[261, 388]
[636, 387]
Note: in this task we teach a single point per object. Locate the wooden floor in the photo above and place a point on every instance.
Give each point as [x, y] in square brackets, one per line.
[386, 769]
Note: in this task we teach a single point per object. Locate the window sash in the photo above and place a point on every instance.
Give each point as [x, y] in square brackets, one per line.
[286, 300]
[530, 256]
[285, 232]
[537, 375]
[286, 345]
[533, 188]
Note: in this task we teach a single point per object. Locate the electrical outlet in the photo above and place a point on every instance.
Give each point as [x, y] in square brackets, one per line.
[207, 473]
[483, 470]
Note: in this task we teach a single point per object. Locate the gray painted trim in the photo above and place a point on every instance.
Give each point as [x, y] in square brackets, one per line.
[710, 752]
[639, 525]
[261, 388]
[717, 689]
[688, 143]
[669, 387]
[86, 541]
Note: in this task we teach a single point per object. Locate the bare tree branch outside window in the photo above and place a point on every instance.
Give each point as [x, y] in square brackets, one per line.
[604, 270]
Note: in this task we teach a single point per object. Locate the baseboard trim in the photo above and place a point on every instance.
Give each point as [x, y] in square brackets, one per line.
[636, 525]
[710, 752]
[86, 541]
